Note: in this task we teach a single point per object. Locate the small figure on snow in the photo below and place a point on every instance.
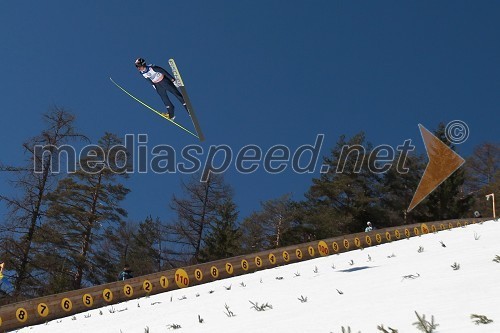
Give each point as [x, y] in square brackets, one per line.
[125, 274]
[368, 226]
[163, 82]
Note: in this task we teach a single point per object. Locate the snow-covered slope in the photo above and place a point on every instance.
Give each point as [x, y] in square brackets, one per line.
[361, 289]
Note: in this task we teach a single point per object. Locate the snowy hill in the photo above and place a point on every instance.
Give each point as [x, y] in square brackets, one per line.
[361, 289]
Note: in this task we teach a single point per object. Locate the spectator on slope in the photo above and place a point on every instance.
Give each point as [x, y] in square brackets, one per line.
[125, 274]
[368, 226]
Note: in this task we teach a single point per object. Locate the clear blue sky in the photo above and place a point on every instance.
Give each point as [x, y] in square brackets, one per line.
[258, 72]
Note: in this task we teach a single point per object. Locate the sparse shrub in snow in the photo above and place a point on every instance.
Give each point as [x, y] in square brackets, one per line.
[297, 274]
[382, 329]
[112, 310]
[391, 256]
[411, 276]
[228, 288]
[146, 330]
[279, 278]
[420, 249]
[200, 320]
[262, 307]
[369, 258]
[100, 312]
[480, 319]
[87, 315]
[182, 298]
[73, 318]
[497, 259]
[340, 292]
[316, 270]
[302, 299]
[333, 266]
[229, 313]
[442, 244]
[351, 262]
[455, 266]
[476, 236]
[174, 326]
[425, 326]
[243, 284]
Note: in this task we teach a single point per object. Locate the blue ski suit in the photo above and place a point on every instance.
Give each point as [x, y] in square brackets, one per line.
[163, 82]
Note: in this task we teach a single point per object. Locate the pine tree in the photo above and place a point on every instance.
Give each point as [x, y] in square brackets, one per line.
[196, 212]
[112, 252]
[267, 228]
[81, 208]
[482, 171]
[27, 210]
[449, 200]
[344, 198]
[224, 238]
[146, 253]
[397, 190]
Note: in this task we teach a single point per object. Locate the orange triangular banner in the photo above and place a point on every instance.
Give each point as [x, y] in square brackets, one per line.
[443, 162]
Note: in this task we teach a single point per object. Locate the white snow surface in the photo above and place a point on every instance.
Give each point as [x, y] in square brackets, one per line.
[372, 292]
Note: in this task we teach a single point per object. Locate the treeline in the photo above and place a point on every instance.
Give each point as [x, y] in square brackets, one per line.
[68, 231]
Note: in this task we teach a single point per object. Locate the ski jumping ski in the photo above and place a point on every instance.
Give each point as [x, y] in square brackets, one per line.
[156, 111]
[182, 89]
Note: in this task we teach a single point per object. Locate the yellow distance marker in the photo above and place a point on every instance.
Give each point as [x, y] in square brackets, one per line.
[272, 258]
[335, 247]
[357, 242]
[181, 278]
[43, 310]
[214, 272]
[107, 294]
[66, 304]
[128, 290]
[229, 268]
[323, 248]
[147, 286]
[258, 262]
[164, 282]
[87, 300]
[198, 274]
[21, 315]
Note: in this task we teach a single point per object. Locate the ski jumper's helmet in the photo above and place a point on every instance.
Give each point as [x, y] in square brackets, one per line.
[140, 62]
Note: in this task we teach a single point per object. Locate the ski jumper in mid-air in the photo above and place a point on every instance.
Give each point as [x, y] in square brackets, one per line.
[163, 82]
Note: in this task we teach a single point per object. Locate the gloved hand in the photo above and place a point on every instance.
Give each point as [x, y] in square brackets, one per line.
[175, 83]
